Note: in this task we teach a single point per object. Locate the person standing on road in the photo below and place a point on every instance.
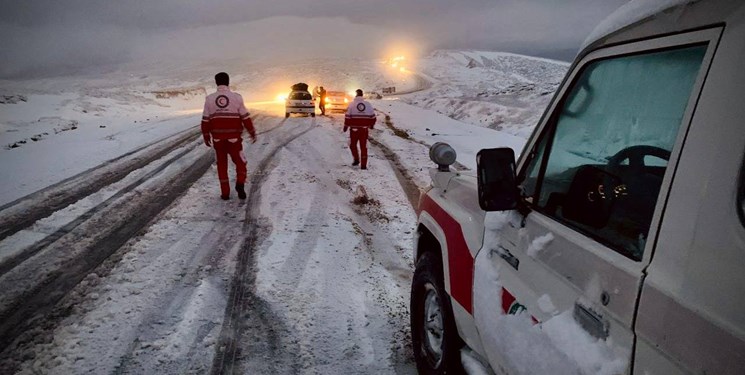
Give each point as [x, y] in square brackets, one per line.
[359, 118]
[223, 120]
[322, 100]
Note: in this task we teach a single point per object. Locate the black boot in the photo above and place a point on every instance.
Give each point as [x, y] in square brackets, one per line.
[241, 191]
[225, 197]
[355, 163]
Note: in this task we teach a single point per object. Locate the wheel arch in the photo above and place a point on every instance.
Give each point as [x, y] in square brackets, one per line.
[430, 238]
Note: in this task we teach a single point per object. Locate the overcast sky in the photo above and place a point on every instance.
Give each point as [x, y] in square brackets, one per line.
[48, 37]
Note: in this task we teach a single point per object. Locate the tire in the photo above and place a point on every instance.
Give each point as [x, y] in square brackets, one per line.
[436, 345]
[287, 114]
[312, 115]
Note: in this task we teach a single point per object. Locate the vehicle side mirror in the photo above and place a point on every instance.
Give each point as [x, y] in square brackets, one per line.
[497, 183]
[591, 196]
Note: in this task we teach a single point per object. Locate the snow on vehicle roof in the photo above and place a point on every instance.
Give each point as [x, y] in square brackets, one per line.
[628, 14]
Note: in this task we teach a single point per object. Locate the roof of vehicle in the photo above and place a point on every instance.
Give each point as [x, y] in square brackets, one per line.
[640, 19]
[301, 86]
[628, 14]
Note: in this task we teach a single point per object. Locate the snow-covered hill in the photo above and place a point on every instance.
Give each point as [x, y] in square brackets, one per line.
[497, 90]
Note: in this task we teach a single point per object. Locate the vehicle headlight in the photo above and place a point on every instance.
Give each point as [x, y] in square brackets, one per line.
[346, 100]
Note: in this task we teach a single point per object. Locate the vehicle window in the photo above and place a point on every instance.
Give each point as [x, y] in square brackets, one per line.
[301, 96]
[529, 186]
[600, 168]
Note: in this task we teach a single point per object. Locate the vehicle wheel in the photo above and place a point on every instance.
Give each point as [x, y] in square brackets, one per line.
[312, 115]
[433, 333]
[287, 115]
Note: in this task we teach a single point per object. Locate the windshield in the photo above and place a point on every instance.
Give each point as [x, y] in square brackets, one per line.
[300, 95]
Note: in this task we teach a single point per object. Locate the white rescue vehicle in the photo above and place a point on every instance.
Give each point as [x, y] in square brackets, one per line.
[300, 101]
[615, 244]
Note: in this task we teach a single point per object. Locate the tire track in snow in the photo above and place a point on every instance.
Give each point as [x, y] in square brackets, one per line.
[336, 294]
[411, 190]
[245, 310]
[35, 213]
[171, 306]
[39, 284]
[296, 265]
[403, 176]
[307, 238]
[23, 212]
[30, 251]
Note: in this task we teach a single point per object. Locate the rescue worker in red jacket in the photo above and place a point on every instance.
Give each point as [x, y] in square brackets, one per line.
[223, 120]
[359, 118]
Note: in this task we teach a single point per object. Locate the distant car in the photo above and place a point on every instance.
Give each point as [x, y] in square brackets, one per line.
[337, 101]
[300, 102]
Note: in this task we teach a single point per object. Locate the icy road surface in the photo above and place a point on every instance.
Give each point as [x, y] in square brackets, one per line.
[320, 284]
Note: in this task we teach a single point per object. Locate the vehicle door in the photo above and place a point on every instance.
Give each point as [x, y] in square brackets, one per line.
[570, 262]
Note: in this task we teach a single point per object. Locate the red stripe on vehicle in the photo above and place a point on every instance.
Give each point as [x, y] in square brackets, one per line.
[507, 300]
[460, 261]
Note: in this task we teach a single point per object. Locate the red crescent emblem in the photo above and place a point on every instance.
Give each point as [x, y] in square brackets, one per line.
[222, 101]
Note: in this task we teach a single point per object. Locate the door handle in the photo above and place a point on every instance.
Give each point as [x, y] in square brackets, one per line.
[591, 321]
[507, 256]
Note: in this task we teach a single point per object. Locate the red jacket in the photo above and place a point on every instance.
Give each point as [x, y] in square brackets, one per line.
[225, 115]
[360, 114]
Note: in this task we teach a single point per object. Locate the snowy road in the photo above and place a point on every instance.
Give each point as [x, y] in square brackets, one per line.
[297, 279]
[327, 280]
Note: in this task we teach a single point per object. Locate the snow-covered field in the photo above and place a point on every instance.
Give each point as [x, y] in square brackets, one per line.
[303, 277]
[500, 91]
